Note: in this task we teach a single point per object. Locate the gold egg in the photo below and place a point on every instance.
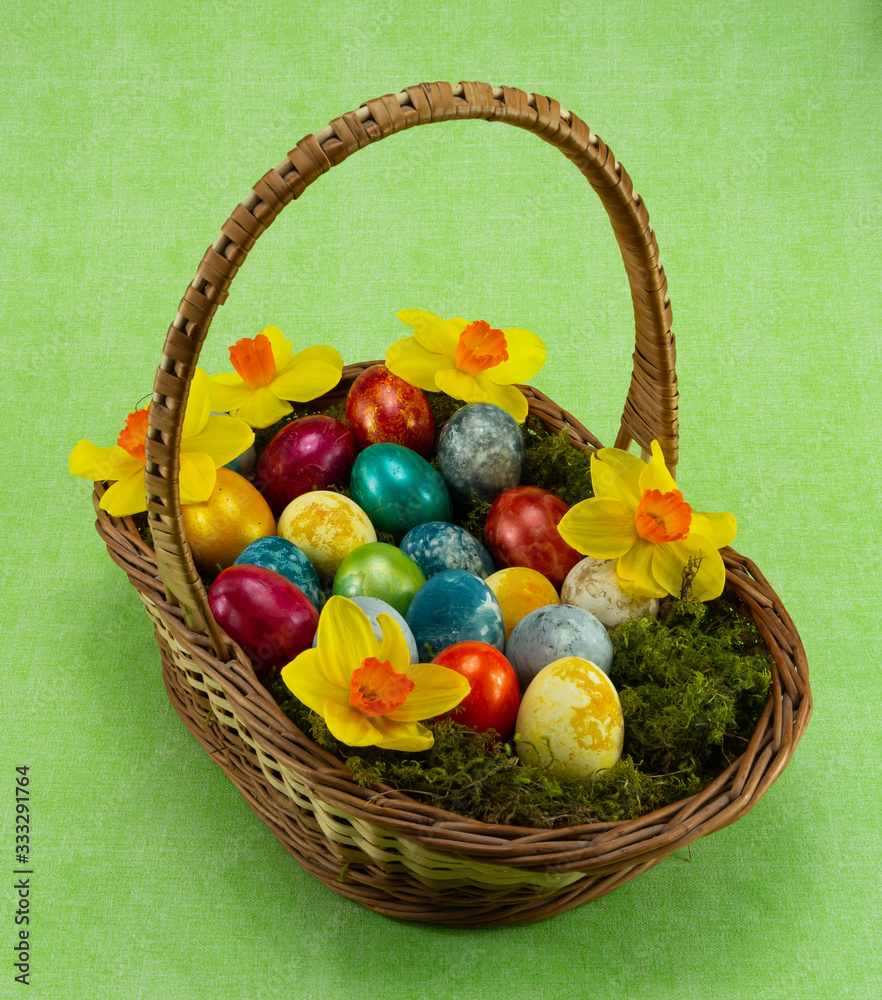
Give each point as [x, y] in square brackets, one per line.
[234, 516]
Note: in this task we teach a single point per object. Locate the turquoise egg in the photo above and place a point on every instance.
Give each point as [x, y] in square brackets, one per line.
[454, 606]
[379, 570]
[286, 559]
[373, 607]
[437, 545]
[398, 489]
[481, 452]
[553, 632]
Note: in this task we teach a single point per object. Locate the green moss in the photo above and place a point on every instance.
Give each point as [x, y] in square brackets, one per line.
[551, 462]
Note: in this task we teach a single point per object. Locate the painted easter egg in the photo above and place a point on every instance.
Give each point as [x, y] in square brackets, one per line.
[373, 607]
[571, 720]
[327, 527]
[547, 634]
[381, 407]
[398, 489]
[379, 570]
[233, 517]
[519, 591]
[311, 453]
[454, 606]
[480, 452]
[271, 619]
[591, 584]
[286, 559]
[492, 702]
[521, 530]
[438, 545]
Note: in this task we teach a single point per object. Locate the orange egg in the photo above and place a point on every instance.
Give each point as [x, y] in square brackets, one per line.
[234, 516]
[519, 591]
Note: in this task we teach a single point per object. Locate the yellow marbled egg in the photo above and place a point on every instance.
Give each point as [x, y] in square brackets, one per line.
[571, 717]
[519, 591]
[327, 526]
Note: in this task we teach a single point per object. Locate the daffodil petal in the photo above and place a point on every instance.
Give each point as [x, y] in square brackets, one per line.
[438, 689]
[526, 356]
[655, 475]
[306, 381]
[223, 438]
[281, 347]
[198, 405]
[615, 473]
[417, 366]
[634, 570]
[599, 527]
[459, 385]
[97, 464]
[197, 478]
[349, 726]
[710, 577]
[262, 408]
[394, 646]
[507, 397]
[306, 680]
[408, 736]
[345, 639]
[227, 392]
[670, 559]
[437, 335]
[320, 352]
[126, 496]
[719, 529]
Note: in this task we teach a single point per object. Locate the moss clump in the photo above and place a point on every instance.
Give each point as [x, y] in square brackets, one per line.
[692, 683]
[551, 462]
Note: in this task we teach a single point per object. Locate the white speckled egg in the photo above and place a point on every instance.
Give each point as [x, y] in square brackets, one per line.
[591, 584]
[570, 719]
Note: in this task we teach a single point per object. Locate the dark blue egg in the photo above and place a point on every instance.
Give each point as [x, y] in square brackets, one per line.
[438, 545]
[553, 632]
[454, 606]
[398, 489]
[481, 452]
[286, 559]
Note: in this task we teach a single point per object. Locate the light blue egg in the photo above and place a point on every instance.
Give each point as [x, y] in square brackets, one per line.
[438, 545]
[373, 606]
[480, 452]
[454, 606]
[286, 559]
[550, 633]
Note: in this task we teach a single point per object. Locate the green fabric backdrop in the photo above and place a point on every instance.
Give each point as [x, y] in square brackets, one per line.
[128, 134]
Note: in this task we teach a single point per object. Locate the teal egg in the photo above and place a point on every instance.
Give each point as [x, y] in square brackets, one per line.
[454, 606]
[382, 571]
[286, 559]
[398, 489]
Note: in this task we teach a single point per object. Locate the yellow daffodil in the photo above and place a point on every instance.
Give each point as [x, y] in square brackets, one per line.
[367, 691]
[267, 375]
[469, 361]
[207, 443]
[639, 517]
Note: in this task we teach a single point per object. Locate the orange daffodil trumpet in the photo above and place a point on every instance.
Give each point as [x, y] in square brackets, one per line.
[367, 691]
[268, 375]
[207, 443]
[638, 516]
[469, 361]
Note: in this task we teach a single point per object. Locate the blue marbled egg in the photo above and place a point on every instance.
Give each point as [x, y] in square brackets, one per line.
[481, 452]
[286, 559]
[373, 606]
[453, 606]
[553, 632]
[398, 489]
[437, 545]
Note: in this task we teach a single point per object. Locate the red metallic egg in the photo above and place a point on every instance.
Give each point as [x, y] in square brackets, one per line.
[495, 695]
[271, 619]
[521, 530]
[311, 453]
[381, 407]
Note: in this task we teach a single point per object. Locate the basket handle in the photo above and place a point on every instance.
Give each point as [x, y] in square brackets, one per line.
[650, 410]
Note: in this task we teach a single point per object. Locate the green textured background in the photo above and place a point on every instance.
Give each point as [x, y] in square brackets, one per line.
[127, 135]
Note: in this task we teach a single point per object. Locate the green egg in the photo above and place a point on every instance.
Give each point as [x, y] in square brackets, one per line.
[382, 571]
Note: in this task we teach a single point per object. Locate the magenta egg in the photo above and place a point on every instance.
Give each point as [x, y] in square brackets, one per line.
[311, 453]
[267, 615]
[521, 530]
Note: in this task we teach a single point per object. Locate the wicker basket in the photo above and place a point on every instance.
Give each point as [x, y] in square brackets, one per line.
[375, 845]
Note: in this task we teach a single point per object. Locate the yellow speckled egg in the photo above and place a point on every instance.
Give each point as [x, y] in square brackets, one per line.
[570, 719]
[234, 516]
[519, 591]
[327, 526]
[591, 584]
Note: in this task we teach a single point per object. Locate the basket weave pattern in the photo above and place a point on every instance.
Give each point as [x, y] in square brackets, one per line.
[375, 845]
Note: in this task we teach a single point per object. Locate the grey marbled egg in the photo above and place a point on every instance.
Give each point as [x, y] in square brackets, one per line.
[481, 451]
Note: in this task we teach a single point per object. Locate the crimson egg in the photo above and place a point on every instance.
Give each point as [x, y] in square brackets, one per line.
[521, 530]
[381, 407]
